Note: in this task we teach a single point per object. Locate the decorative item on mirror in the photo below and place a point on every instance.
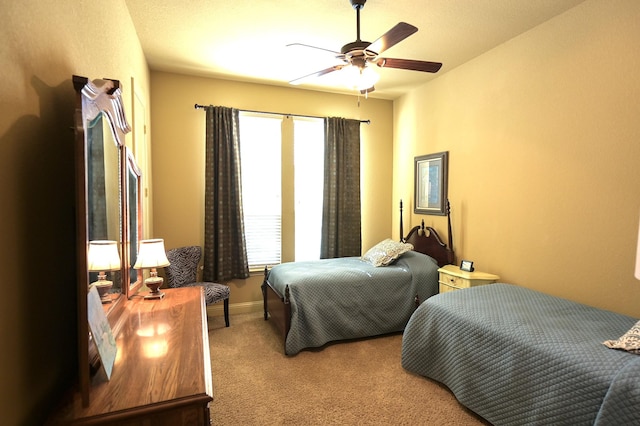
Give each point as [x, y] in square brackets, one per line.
[151, 255]
[103, 256]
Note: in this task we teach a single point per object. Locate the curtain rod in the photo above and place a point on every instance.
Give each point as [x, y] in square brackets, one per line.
[197, 106]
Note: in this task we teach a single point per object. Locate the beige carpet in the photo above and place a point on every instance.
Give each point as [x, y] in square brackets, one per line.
[351, 383]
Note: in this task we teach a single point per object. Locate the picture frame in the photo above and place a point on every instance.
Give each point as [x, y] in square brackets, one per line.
[466, 265]
[430, 183]
[101, 332]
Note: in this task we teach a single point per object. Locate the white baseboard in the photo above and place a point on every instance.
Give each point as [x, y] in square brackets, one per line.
[217, 309]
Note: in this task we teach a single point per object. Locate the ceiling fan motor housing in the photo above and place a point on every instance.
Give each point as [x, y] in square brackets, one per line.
[356, 45]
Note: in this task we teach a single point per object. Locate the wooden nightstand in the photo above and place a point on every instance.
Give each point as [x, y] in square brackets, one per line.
[452, 278]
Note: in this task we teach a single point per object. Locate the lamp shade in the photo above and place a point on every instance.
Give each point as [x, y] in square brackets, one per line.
[103, 256]
[151, 254]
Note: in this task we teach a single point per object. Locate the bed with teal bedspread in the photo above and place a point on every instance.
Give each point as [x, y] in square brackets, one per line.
[347, 298]
[516, 357]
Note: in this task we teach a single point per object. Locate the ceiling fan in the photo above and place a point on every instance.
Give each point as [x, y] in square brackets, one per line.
[358, 55]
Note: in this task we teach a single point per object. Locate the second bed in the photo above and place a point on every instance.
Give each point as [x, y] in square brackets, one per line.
[316, 302]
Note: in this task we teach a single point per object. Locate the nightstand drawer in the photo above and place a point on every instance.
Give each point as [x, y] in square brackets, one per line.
[444, 287]
[453, 281]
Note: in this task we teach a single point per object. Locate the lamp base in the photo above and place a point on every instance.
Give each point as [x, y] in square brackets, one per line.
[154, 284]
[152, 295]
[103, 287]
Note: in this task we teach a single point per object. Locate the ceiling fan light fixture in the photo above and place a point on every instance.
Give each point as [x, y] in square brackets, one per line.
[359, 78]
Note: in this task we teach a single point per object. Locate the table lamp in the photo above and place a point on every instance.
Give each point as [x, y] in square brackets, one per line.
[103, 256]
[151, 255]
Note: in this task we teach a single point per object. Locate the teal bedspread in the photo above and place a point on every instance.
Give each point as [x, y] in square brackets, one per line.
[519, 357]
[347, 298]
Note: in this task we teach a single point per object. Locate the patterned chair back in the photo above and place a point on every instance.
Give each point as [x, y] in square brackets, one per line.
[183, 268]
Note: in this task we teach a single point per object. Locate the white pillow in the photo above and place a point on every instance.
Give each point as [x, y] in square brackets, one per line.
[386, 252]
[629, 341]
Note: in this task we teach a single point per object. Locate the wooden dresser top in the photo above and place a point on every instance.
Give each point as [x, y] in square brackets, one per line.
[162, 360]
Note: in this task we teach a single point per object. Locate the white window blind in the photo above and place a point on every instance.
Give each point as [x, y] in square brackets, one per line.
[308, 148]
[264, 191]
[260, 140]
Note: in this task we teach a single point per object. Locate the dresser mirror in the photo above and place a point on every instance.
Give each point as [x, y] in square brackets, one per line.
[101, 204]
[103, 192]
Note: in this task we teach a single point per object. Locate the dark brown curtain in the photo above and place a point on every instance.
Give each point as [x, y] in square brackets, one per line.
[225, 249]
[341, 235]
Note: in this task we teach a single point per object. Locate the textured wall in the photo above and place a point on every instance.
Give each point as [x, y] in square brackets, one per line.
[544, 139]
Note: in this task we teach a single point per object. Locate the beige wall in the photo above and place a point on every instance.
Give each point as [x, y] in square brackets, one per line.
[178, 154]
[42, 44]
[544, 142]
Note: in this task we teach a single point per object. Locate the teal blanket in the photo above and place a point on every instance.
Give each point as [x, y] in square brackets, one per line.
[347, 298]
[520, 357]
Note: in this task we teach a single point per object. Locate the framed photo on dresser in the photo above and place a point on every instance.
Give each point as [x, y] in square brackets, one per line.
[101, 332]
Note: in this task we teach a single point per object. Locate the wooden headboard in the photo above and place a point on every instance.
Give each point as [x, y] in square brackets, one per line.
[426, 240]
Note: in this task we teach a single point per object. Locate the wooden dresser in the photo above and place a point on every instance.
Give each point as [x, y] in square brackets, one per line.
[453, 278]
[162, 372]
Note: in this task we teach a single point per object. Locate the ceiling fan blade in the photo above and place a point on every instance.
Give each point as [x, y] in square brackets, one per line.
[369, 90]
[394, 36]
[338, 54]
[320, 73]
[408, 64]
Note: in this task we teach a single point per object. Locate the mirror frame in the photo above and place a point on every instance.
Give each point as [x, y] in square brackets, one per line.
[131, 208]
[102, 96]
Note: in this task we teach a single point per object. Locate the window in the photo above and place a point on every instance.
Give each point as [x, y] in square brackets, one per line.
[308, 149]
[282, 183]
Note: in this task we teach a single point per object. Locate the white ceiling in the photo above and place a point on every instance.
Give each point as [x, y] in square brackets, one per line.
[246, 39]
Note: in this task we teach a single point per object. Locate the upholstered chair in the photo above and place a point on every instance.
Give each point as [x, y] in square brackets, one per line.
[183, 272]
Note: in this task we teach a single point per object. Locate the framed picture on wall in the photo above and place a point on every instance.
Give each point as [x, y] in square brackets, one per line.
[430, 186]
